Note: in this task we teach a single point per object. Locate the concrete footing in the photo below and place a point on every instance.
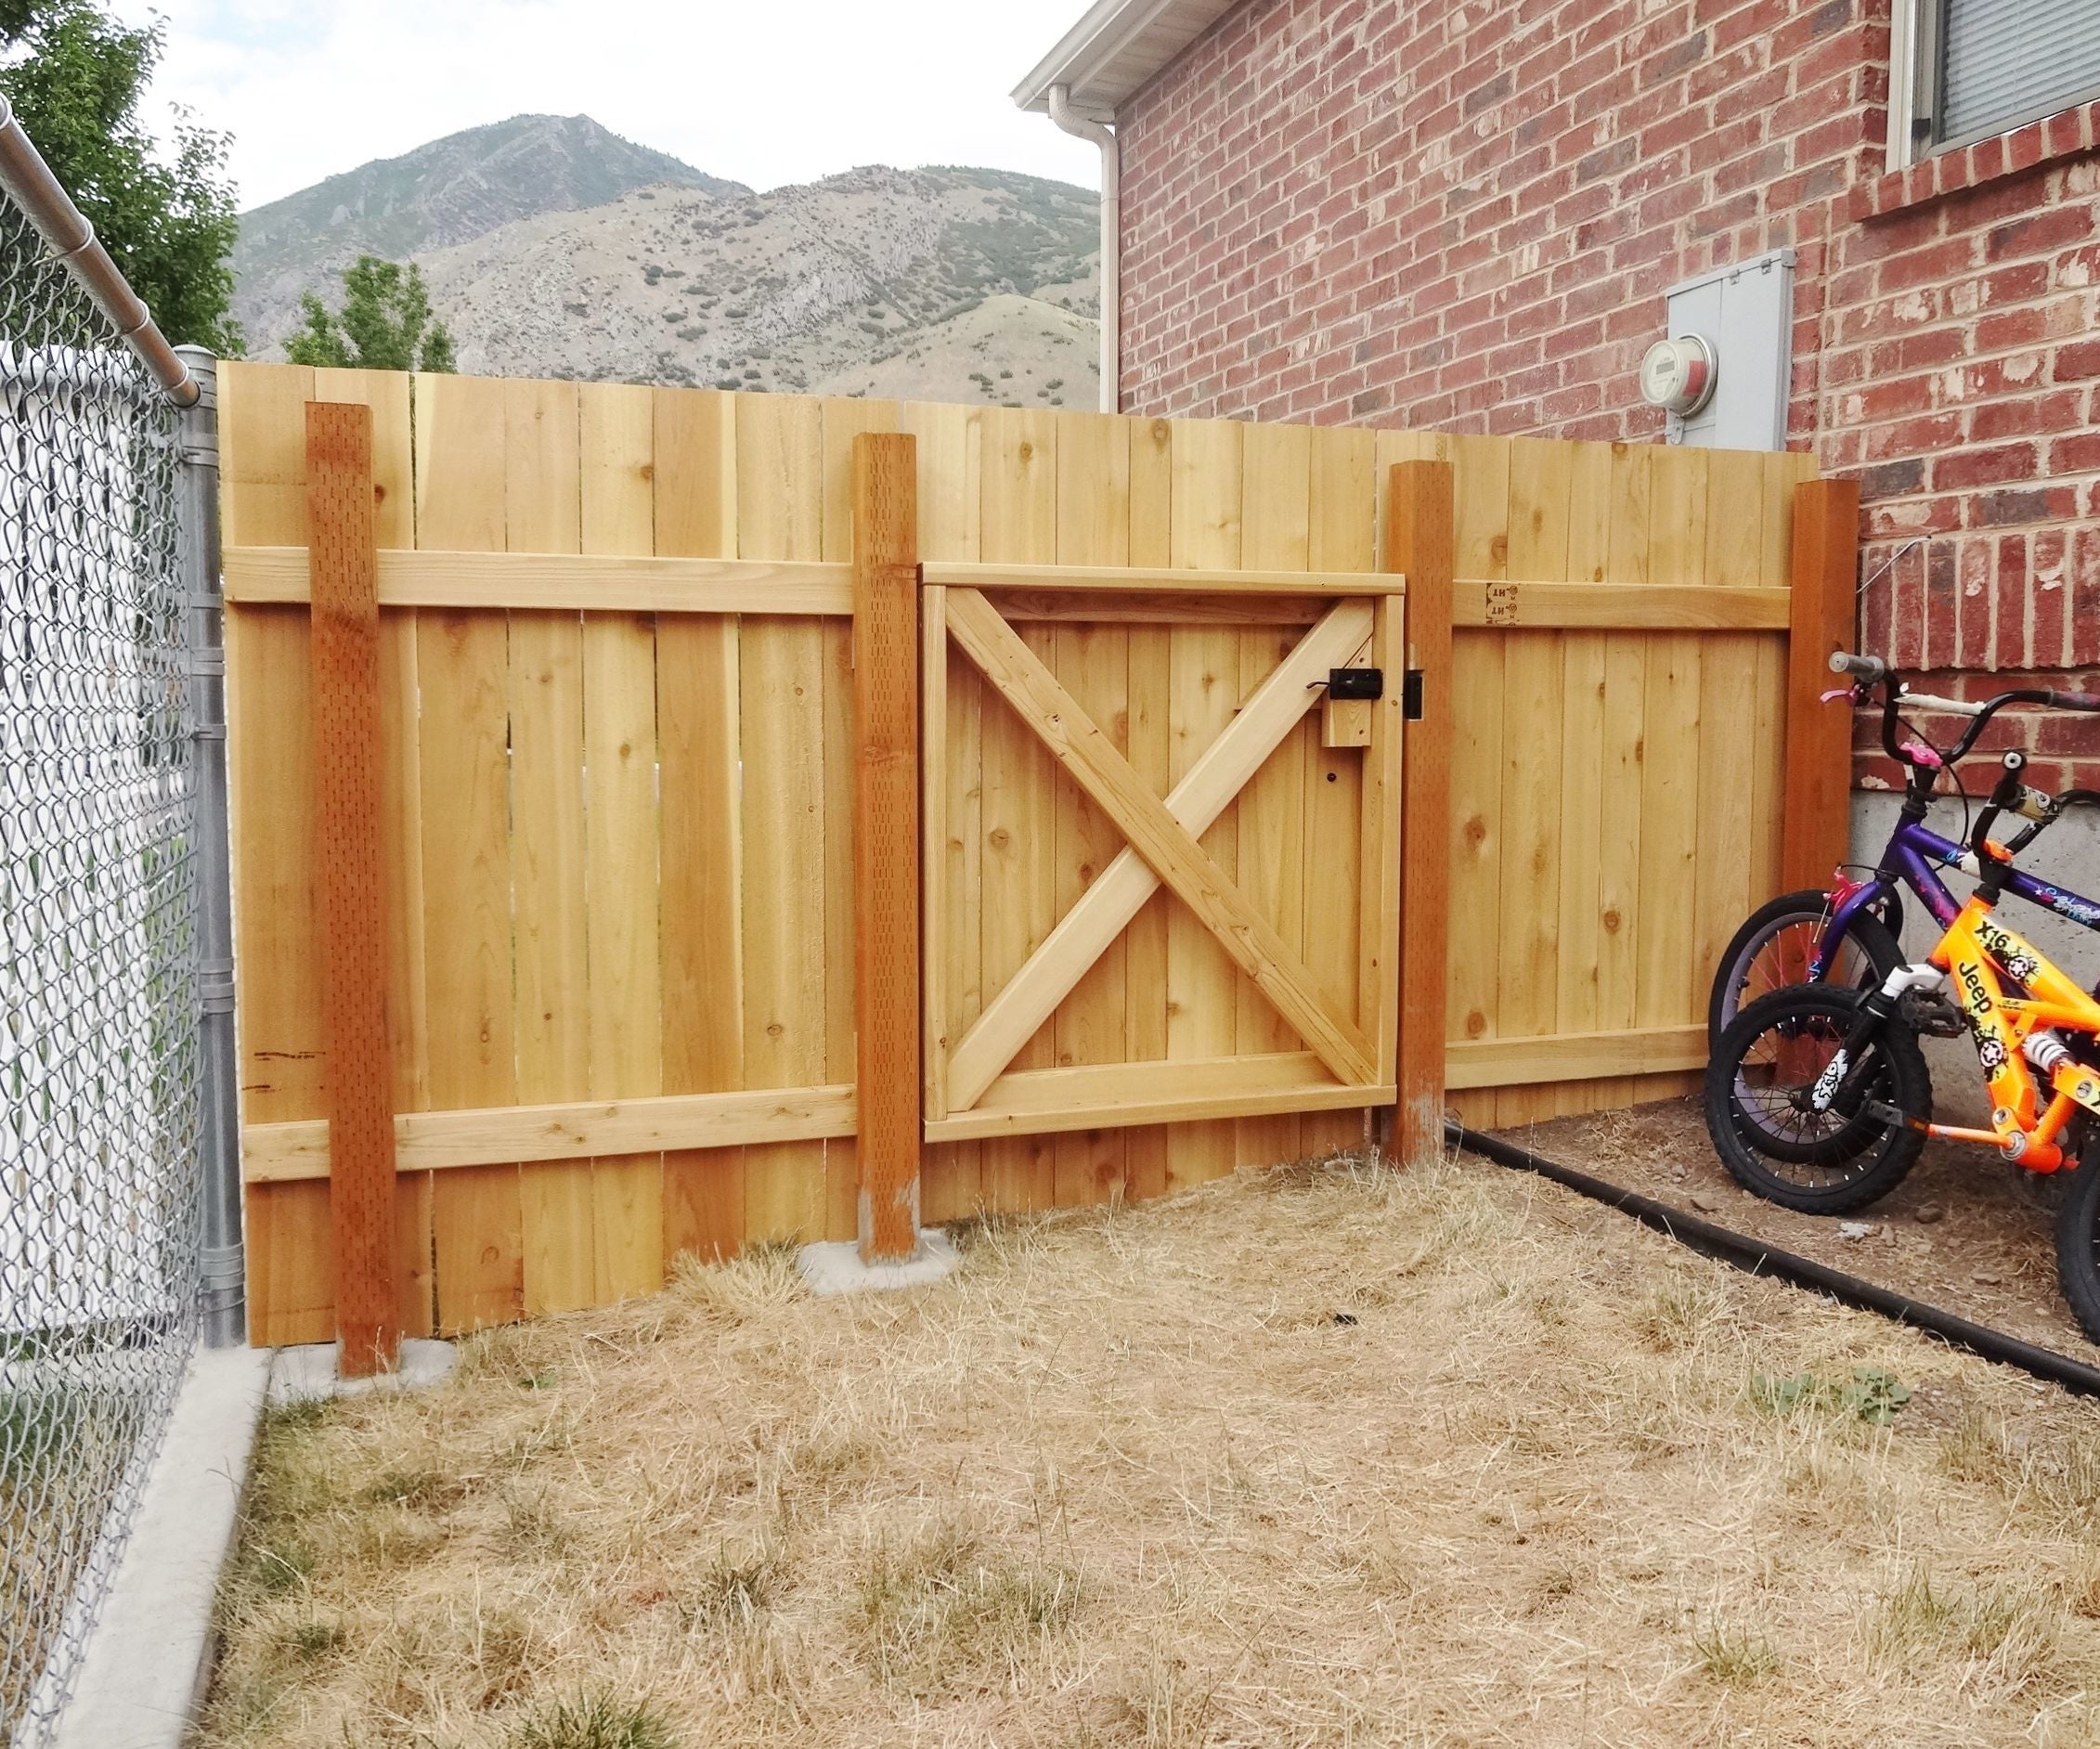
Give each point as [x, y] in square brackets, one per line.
[837, 1267]
[309, 1371]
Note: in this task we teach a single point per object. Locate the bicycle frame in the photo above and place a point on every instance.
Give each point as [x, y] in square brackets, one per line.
[1914, 857]
[1979, 953]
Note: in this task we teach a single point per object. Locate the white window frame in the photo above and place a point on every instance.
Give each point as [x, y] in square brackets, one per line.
[1914, 56]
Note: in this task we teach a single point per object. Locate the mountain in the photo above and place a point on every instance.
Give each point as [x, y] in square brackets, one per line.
[448, 191]
[939, 283]
[931, 281]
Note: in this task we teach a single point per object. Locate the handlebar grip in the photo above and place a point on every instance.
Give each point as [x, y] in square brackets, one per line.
[2075, 701]
[1871, 669]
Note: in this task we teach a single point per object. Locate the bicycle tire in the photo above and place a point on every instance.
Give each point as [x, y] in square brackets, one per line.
[2078, 1239]
[1809, 906]
[1865, 1159]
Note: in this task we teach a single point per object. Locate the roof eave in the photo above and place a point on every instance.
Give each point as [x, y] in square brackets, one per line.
[1102, 57]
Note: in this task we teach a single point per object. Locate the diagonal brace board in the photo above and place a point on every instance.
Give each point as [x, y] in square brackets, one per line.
[1078, 745]
[1106, 908]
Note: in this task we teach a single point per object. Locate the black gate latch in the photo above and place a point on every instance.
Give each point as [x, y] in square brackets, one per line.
[1355, 683]
[1411, 695]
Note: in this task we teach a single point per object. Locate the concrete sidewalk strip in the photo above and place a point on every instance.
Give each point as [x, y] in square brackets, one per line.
[147, 1664]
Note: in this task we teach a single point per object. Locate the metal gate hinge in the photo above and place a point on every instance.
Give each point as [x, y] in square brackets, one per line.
[1411, 695]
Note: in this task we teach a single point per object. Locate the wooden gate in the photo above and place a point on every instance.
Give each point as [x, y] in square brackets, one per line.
[1292, 955]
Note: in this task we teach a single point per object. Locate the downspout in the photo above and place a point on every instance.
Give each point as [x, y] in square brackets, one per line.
[1084, 127]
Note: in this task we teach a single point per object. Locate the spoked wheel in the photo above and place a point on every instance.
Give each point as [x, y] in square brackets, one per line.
[1761, 1111]
[2078, 1238]
[1773, 947]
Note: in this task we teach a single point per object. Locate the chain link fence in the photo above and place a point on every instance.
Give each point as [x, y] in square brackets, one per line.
[101, 1067]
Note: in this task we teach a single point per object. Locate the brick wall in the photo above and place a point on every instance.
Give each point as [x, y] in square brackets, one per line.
[1463, 214]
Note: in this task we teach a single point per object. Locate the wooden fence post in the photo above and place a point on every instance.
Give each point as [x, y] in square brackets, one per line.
[1418, 544]
[1818, 812]
[886, 840]
[343, 555]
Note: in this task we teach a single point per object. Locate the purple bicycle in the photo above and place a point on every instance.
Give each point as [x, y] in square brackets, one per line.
[1848, 934]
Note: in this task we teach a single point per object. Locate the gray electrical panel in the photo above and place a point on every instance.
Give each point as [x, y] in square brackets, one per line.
[1744, 312]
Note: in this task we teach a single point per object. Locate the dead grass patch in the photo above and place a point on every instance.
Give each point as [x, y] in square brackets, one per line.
[1320, 1457]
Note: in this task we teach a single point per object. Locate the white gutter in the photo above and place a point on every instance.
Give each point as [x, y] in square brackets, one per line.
[1084, 127]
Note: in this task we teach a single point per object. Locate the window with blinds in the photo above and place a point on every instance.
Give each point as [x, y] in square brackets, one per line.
[2002, 62]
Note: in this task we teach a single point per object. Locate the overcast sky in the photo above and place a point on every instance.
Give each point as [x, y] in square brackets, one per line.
[760, 90]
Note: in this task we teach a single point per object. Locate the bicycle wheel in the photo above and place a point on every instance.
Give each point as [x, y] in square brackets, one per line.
[1772, 948]
[1760, 1115]
[2078, 1239]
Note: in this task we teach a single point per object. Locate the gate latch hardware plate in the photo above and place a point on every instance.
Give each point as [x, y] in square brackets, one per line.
[1411, 695]
[1355, 683]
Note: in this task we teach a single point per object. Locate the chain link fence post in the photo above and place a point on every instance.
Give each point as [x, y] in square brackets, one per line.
[196, 506]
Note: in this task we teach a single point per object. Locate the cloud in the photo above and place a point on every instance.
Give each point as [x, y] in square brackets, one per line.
[764, 93]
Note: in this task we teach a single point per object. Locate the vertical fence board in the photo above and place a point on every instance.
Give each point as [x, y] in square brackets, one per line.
[542, 510]
[345, 752]
[1670, 799]
[1019, 831]
[463, 662]
[699, 689]
[1203, 663]
[1533, 755]
[950, 442]
[1151, 684]
[780, 515]
[1343, 515]
[1276, 534]
[1092, 1024]
[623, 939]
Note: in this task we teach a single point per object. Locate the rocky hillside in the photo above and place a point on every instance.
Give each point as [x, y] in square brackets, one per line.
[949, 284]
[450, 191]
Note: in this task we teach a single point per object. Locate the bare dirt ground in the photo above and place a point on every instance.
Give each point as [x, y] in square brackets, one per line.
[1321, 1457]
[1964, 1230]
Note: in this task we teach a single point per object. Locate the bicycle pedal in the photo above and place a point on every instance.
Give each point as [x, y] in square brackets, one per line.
[1882, 1112]
[1927, 1012]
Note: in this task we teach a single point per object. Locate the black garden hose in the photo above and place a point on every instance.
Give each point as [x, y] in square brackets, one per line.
[1757, 1257]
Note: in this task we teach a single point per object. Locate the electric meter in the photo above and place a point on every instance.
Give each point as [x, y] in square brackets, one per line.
[1679, 375]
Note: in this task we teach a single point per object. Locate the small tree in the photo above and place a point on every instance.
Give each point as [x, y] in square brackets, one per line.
[385, 323]
[76, 76]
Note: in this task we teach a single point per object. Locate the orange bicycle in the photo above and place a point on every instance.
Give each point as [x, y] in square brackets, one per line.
[1818, 1096]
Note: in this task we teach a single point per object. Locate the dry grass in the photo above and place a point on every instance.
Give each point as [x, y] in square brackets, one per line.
[1328, 1457]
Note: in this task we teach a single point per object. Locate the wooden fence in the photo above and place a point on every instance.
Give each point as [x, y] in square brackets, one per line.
[615, 800]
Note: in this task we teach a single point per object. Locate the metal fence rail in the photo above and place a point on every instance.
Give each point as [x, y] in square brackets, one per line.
[102, 1063]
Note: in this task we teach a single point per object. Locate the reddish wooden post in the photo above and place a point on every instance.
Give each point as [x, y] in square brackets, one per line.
[342, 551]
[1818, 737]
[1418, 544]
[886, 839]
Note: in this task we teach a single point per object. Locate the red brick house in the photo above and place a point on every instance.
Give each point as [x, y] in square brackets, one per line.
[1464, 214]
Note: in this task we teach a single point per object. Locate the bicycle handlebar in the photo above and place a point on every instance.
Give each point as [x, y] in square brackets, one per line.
[1871, 672]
